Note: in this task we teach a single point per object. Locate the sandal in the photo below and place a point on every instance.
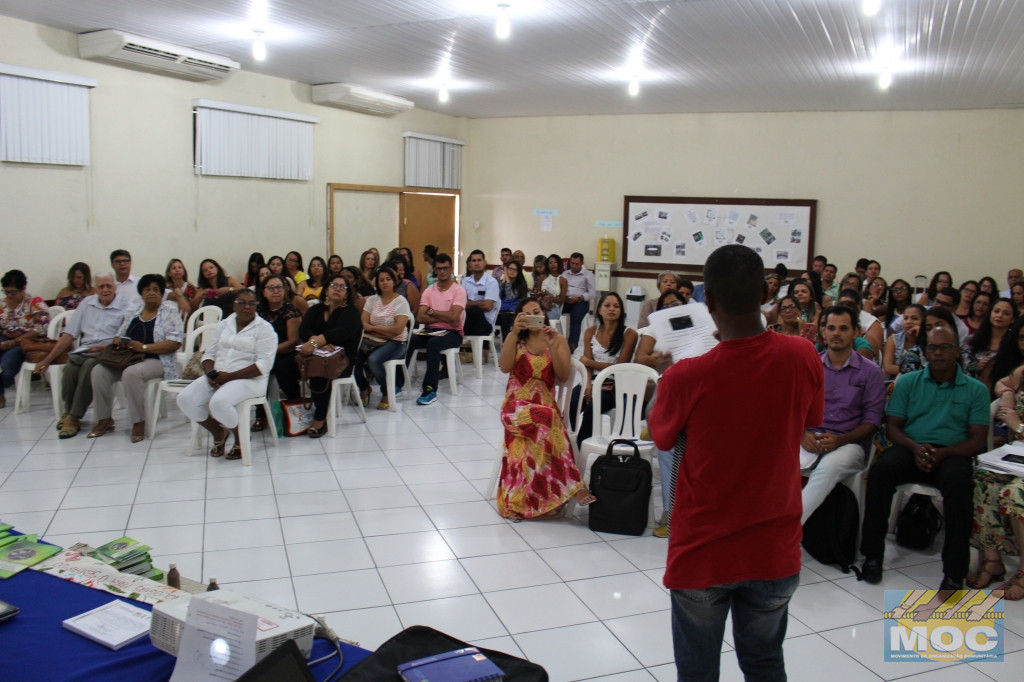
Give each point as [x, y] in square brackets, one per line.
[384, 404]
[585, 498]
[1014, 589]
[985, 576]
[218, 445]
[258, 425]
[235, 452]
[104, 426]
[314, 432]
[365, 397]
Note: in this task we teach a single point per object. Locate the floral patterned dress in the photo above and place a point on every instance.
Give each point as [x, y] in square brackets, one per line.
[538, 471]
[997, 499]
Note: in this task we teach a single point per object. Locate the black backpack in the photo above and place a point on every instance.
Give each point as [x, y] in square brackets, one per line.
[918, 523]
[622, 485]
[830, 533]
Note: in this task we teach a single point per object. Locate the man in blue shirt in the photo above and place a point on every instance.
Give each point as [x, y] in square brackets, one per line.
[481, 296]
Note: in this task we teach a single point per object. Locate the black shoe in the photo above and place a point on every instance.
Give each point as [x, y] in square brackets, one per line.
[871, 571]
[951, 584]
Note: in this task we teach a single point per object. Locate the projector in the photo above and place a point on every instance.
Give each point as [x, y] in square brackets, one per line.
[276, 625]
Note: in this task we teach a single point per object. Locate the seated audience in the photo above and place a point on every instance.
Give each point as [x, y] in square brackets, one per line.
[506, 258]
[155, 329]
[294, 268]
[876, 297]
[968, 290]
[556, 282]
[899, 301]
[368, 266]
[789, 322]
[580, 291]
[829, 285]
[252, 272]
[949, 298]
[333, 323]
[1010, 355]
[774, 286]
[276, 265]
[1017, 296]
[22, 316]
[540, 267]
[547, 288]
[937, 420]
[940, 280]
[121, 264]
[482, 296]
[311, 288]
[214, 287]
[236, 363]
[334, 265]
[179, 290]
[442, 309]
[274, 307]
[429, 254]
[870, 327]
[511, 289]
[895, 357]
[666, 281]
[988, 285]
[538, 470]
[607, 343]
[852, 281]
[854, 397]
[93, 326]
[359, 287]
[983, 345]
[873, 269]
[980, 309]
[404, 287]
[1013, 276]
[78, 287]
[385, 336]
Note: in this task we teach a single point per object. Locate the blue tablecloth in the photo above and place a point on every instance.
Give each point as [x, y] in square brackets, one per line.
[36, 645]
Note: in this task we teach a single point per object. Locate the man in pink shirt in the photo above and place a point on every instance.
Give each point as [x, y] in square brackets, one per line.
[442, 309]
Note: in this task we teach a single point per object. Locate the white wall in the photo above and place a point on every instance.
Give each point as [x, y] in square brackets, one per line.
[140, 191]
[918, 191]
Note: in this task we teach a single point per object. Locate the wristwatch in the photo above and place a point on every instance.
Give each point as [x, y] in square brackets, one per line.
[430, 312]
[1020, 428]
[143, 348]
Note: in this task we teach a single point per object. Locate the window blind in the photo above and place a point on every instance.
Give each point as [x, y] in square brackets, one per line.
[432, 161]
[44, 116]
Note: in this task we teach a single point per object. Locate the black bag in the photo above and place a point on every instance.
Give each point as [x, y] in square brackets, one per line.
[918, 523]
[419, 641]
[830, 533]
[622, 486]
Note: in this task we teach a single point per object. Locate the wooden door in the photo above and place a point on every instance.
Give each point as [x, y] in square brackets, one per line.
[428, 219]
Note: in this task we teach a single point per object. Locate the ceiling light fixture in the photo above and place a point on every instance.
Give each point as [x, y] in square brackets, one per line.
[634, 87]
[442, 94]
[259, 48]
[871, 7]
[634, 69]
[885, 80]
[503, 24]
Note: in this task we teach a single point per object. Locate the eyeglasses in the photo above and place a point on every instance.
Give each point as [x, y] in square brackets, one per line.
[291, 260]
[11, 292]
[337, 286]
[121, 261]
[787, 307]
[939, 348]
[274, 287]
[442, 268]
[900, 289]
[246, 304]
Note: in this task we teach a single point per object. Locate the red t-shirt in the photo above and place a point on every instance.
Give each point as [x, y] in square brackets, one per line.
[744, 406]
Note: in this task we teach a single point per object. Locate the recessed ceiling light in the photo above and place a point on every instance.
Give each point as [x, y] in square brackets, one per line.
[503, 24]
[259, 48]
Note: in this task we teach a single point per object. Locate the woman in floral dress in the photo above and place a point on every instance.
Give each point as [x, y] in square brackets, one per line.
[538, 471]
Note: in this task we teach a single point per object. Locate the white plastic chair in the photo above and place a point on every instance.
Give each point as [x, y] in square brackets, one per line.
[391, 367]
[339, 387]
[244, 429]
[23, 382]
[155, 388]
[578, 376]
[630, 387]
[452, 362]
[206, 315]
[476, 342]
[195, 340]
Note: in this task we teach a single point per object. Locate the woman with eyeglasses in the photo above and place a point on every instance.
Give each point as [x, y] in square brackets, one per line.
[236, 364]
[968, 290]
[284, 317]
[899, 301]
[789, 321]
[22, 316]
[153, 328]
[79, 286]
[876, 297]
[334, 323]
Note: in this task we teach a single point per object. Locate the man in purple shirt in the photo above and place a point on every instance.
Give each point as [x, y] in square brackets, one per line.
[854, 406]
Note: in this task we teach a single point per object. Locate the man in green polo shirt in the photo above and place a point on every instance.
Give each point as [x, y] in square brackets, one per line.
[937, 420]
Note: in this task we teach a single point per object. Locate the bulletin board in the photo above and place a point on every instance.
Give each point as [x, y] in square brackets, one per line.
[678, 233]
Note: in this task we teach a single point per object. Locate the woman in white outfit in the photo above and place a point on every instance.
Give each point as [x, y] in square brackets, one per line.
[237, 363]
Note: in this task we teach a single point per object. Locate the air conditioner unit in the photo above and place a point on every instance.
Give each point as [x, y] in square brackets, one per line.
[111, 44]
[358, 98]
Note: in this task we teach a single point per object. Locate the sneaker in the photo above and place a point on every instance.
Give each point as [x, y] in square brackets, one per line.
[428, 397]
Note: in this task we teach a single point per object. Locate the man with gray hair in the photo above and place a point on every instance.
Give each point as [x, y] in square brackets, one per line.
[92, 325]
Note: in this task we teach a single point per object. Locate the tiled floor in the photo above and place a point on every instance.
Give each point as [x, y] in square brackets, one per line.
[387, 526]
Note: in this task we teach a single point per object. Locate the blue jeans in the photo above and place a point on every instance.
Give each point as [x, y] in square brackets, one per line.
[576, 313]
[10, 361]
[760, 610]
[392, 350]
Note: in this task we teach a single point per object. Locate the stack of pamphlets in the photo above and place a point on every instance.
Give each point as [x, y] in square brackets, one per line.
[127, 556]
[115, 624]
[18, 552]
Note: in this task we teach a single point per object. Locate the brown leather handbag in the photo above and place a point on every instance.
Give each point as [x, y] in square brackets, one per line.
[38, 348]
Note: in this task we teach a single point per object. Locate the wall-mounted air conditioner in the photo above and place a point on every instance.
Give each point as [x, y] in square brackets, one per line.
[360, 99]
[111, 44]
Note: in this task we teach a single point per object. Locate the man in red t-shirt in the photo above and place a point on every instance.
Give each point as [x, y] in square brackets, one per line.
[735, 541]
